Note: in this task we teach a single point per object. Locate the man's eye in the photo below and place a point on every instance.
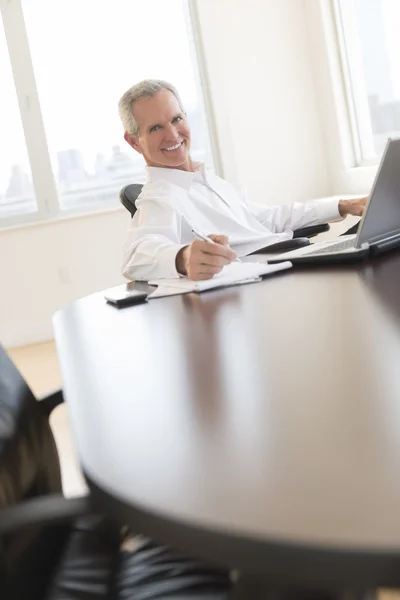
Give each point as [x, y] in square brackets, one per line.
[155, 128]
[177, 119]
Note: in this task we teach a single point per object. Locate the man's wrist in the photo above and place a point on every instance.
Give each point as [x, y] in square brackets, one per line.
[343, 208]
[180, 261]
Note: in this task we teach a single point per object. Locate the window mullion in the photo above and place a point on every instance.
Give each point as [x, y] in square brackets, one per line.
[355, 77]
[28, 99]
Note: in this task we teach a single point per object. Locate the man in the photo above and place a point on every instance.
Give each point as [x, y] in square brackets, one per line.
[180, 196]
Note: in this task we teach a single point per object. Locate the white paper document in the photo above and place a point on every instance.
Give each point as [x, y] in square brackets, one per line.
[236, 273]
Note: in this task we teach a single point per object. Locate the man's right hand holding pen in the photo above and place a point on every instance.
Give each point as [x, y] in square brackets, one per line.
[202, 259]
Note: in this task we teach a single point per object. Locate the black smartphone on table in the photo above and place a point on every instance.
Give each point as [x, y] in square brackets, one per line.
[124, 296]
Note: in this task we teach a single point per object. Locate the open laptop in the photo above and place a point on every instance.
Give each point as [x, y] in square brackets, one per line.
[379, 228]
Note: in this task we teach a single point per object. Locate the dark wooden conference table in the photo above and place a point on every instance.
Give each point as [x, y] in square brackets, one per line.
[257, 426]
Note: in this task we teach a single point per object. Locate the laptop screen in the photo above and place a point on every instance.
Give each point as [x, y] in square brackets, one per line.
[382, 216]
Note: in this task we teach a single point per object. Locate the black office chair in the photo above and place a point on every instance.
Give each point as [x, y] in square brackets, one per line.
[301, 237]
[54, 548]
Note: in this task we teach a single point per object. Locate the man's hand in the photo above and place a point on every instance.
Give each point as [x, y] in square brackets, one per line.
[352, 207]
[202, 260]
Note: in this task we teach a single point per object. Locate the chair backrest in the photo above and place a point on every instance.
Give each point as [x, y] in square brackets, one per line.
[17, 403]
[24, 432]
[29, 466]
[128, 196]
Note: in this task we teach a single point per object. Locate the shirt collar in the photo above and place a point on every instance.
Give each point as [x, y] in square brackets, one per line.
[182, 178]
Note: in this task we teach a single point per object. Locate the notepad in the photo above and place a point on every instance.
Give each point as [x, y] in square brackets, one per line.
[237, 273]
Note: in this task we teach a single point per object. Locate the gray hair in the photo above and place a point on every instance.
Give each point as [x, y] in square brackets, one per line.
[144, 89]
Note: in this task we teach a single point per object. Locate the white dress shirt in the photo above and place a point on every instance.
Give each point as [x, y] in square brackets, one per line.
[172, 202]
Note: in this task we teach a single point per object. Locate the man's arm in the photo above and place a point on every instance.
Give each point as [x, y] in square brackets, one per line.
[293, 216]
[153, 242]
[154, 249]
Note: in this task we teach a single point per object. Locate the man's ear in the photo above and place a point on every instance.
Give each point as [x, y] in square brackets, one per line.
[132, 141]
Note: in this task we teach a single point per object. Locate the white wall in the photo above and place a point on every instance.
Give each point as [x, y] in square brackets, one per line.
[258, 63]
[44, 267]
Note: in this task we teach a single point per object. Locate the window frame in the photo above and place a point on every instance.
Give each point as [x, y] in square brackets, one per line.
[350, 174]
[354, 83]
[46, 195]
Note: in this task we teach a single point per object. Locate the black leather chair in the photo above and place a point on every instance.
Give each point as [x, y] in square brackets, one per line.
[129, 194]
[54, 548]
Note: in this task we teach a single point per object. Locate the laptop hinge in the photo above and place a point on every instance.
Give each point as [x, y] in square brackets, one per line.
[389, 243]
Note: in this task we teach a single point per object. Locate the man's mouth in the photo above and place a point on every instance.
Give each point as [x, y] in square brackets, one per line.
[173, 147]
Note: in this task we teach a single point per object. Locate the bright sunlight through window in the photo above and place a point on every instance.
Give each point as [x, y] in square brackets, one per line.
[85, 54]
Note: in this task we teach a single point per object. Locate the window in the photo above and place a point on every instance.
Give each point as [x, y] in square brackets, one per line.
[16, 187]
[370, 44]
[84, 55]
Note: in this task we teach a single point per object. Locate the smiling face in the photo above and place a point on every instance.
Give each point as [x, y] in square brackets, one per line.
[164, 133]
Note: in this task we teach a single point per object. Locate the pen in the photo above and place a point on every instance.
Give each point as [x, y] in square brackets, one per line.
[205, 238]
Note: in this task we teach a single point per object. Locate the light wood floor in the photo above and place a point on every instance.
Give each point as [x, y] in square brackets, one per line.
[39, 366]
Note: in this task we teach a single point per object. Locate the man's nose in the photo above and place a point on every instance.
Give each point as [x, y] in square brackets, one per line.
[171, 132]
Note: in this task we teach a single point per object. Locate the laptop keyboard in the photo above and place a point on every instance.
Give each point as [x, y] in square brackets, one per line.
[336, 247]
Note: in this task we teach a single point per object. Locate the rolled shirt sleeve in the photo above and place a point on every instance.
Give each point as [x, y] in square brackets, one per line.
[328, 210]
[153, 242]
[151, 257]
[294, 216]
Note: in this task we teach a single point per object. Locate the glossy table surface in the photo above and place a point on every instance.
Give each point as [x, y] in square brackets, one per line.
[252, 422]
